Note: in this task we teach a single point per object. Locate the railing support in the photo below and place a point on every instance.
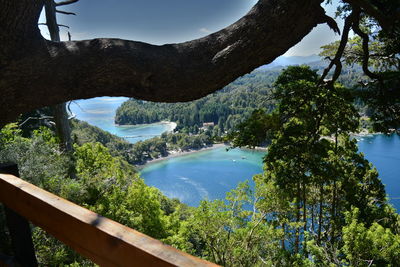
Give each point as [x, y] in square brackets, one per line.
[101, 240]
[20, 231]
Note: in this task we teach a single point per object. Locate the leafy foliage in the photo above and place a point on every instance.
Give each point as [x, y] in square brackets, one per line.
[374, 245]
[103, 183]
[225, 108]
[142, 151]
[375, 47]
[313, 175]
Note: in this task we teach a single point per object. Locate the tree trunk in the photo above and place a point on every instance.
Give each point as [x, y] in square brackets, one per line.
[63, 127]
[304, 213]
[320, 213]
[283, 239]
[56, 72]
[333, 210]
[297, 242]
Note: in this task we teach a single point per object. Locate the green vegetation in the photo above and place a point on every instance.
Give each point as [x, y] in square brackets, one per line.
[318, 202]
[104, 184]
[143, 151]
[225, 108]
[376, 50]
[322, 198]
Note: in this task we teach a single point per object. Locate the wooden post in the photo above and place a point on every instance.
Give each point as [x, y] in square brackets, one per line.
[20, 231]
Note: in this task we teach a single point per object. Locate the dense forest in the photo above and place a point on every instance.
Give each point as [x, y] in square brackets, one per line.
[225, 108]
[142, 151]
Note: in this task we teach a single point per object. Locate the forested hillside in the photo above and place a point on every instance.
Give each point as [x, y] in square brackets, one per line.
[142, 151]
[225, 108]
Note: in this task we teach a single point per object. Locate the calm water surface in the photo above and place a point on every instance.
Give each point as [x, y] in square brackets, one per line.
[384, 153]
[100, 112]
[204, 175]
[210, 174]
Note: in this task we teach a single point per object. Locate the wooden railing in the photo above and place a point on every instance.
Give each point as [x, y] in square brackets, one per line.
[102, 240]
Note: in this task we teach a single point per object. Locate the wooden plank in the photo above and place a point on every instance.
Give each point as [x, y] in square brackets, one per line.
[102, 240]
[19, 228]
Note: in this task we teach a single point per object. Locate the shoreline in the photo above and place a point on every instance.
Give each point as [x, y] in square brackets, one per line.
[257, 148]
[364, 133]
[174, 154]
[172, 125]
[180, 154]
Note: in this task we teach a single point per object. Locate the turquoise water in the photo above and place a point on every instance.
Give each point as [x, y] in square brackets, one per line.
[204, 175]
[383, 152]
[210, 174]
[100, 112]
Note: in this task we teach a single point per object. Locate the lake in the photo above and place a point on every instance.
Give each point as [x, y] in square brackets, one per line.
[100, 112]
[210, 174]
[206, 174]
[383, 152]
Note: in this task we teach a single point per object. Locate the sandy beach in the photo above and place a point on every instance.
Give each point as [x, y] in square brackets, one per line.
[172, 125]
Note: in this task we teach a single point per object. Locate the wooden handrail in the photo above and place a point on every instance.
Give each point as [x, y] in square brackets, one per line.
[102, 240]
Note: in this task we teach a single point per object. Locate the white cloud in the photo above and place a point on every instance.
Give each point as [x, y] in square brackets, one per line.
[205, 30]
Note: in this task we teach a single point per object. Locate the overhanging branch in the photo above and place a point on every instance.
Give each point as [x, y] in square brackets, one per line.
[385, 21]
[365, 47]
[65, 12]
[63, 3]
[336, 61]
[58, 72]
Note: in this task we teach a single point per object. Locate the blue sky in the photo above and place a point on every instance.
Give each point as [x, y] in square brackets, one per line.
[167, 21]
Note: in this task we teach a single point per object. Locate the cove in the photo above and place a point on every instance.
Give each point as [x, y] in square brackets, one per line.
[203, 175]
[100, 112]
[211, 174]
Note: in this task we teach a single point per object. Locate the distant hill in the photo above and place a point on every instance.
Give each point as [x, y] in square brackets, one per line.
[284, 61]
[350, 74]
[230, 105]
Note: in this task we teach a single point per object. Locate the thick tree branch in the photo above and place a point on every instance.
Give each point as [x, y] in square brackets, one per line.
[68, 2]
[365, 47]
[37, 73]
[65, 12]
[385, 21]
[339, 53]
[59, 25]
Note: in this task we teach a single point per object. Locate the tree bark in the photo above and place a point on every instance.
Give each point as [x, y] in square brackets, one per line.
[304, 216]
[58, 72]
[63, 128]
[298, 208]
[321, 189]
